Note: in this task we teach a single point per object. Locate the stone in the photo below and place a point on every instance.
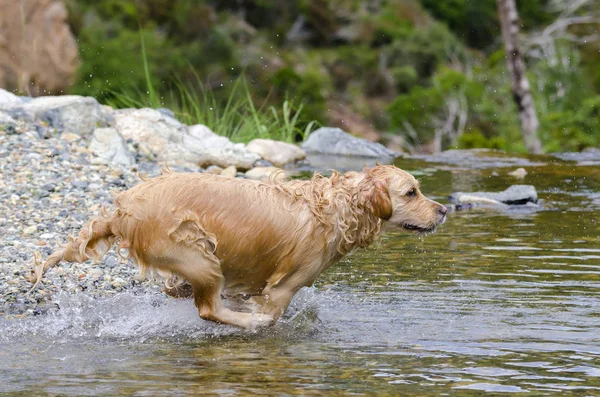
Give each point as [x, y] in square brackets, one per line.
[110, 148]
[329, 140]
[8, 99]
[38, 51]
[69, 113]
[519, 173]
[7, 122]
[30, 230]
[214, 169]
[264, 173]
[69, 137]
[514, 195]
[163, 139]
[210, 148]
[277, 153]
[229, 172]
[262, 163]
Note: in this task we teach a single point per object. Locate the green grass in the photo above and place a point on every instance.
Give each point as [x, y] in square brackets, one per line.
[237, 117]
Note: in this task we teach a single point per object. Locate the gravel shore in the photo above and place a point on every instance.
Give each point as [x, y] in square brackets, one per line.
[49, 188]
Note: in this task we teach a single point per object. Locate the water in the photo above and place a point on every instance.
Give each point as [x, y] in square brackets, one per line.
[495, 302]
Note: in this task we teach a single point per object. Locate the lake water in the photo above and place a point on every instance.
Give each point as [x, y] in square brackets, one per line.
[494, 302]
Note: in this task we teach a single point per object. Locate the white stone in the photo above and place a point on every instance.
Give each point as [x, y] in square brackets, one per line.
[164, 139]
[211, 148]
[278, 153]
[30, 230]
[263, 173]
[8, 99]
[110, 148]
[230, 172]
[71, 113]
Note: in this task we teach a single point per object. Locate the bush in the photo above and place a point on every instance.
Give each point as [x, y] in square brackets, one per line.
[573, 130]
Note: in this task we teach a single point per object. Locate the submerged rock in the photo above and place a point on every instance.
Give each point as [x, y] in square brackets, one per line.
[519, 173]
[277, 153]
[514, 195]
[329, 140]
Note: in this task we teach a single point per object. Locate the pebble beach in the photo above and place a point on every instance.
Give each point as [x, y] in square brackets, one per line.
[49, 188]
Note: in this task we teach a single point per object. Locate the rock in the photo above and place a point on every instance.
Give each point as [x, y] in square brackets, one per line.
[277, 153]
[7, 122]
[211, 148]
[263, 173]
[69, 137]
[8, 99]
[262, 163]
[335, 141]
[37, 49]
[30, 229]
[514, 195]
[230, 172]
[110, 148]
[214, 169]
[519, 173]
[166, 112]
[164, 139]
[70, 113]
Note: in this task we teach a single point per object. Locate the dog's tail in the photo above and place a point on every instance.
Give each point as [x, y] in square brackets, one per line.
[93, 242]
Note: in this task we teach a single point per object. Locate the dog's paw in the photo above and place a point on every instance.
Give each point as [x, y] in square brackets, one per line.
[261, 320]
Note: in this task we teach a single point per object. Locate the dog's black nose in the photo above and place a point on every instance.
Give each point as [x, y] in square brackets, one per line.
[442, 210]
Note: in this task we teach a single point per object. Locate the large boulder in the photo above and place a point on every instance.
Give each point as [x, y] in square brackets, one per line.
[38, 52]
[514, 195]
[278, 153]
[164, 139]
[329, 140]
[110, 148]
[76, 114]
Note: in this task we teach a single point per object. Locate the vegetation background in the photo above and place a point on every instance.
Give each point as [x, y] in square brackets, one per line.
[407, 72]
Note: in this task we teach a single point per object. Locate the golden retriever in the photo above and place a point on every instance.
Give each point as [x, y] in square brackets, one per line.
[261, 241]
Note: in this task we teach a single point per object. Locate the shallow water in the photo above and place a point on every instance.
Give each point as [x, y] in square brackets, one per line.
[494, 302]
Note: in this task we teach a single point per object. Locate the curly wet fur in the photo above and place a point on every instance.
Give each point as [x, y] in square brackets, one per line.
[259, 239]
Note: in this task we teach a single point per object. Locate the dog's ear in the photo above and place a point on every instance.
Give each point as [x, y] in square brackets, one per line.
[379, 201]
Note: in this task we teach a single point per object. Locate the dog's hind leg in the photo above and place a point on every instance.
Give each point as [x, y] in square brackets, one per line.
[193, 258]
[203, 272]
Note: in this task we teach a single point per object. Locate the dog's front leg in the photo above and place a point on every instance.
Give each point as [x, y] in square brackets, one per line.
[274, 300]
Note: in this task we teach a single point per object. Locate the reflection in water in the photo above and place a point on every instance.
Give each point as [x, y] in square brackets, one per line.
[501, 302]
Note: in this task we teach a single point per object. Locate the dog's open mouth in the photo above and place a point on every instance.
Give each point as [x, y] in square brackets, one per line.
[418, 229]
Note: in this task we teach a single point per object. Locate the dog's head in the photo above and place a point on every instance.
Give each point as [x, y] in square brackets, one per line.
[393, 195]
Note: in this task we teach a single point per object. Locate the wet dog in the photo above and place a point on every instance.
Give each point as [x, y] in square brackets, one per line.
[215, 236]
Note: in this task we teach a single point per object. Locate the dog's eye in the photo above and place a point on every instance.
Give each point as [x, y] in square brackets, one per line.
[412, 193]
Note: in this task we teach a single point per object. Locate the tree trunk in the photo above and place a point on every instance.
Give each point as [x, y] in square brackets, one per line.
[520, 85]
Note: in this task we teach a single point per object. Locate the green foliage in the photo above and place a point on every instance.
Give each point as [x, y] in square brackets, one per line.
[476, 21]
[474, 138]
[421, 105]
[393, 62]
[306, 88]
[237, 117]
[573, 129]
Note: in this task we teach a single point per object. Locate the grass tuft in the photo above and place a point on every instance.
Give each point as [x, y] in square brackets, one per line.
[237, 117]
